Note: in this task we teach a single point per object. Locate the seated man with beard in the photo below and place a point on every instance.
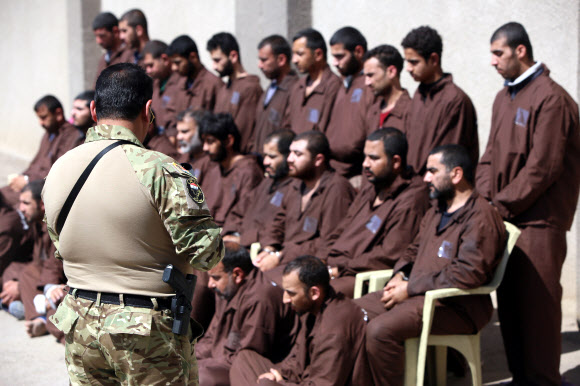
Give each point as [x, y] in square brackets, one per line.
[257, 209]
[250, 315]
[230, 176]
[236, 174]
[329, 348]
[189, 143]
[384, 216]
[459, 244]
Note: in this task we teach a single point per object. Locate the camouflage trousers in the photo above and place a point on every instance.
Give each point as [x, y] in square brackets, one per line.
[116, 344]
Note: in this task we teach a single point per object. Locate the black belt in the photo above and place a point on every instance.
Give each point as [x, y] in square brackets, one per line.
[128, 300]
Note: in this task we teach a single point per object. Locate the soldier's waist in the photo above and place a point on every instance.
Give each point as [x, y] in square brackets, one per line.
[158, 303]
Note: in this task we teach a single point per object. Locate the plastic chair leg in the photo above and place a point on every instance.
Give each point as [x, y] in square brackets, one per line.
[411, 354]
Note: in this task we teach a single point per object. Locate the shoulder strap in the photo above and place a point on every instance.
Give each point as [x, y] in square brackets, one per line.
[81, 181]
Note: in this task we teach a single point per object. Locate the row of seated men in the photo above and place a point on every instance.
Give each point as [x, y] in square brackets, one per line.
[367, 93]
[27, 268]
[298, 326]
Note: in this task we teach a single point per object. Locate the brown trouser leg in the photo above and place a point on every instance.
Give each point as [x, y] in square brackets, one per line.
[247, 367]
[213, 372]
[529, 306]
[203, 302]
[386, 335]
[28, 286]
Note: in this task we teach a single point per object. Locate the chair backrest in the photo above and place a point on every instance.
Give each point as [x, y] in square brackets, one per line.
[513, 234]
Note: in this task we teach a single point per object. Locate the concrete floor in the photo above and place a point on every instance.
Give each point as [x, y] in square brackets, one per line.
[40, 361]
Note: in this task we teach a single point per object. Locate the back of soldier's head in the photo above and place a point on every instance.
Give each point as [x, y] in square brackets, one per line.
[183, 46]
[105, 20]
[425, 41]
[387, 55]
[122, 91]
[349, 37]
[314, 40]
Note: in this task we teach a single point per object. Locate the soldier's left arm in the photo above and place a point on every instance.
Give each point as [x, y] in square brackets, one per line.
[182, 207]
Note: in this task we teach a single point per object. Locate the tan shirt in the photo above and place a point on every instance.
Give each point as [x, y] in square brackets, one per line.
[132, 218]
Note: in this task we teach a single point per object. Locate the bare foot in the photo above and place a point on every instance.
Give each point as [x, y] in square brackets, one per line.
[36, 327]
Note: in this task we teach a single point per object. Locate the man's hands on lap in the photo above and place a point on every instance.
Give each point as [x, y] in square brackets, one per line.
[395, 292]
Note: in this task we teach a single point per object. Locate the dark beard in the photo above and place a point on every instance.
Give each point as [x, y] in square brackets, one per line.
[228, 69]
[352, 67]
[442, 196]
[220, 156]
[281, 171]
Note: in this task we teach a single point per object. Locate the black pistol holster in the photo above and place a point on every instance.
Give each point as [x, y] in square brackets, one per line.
[181, 302]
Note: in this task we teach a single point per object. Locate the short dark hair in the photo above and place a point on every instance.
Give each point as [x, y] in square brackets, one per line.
[387, 55]
[515, 34]
[452, 156]
[283, 140]
[197, 115]
[135, 17]
[50, 102]
[425, 40]
[156, 48]
[225, 41]
[35, 188]
[394, 143]
[279, 45]
[183, 46]
[220, 126]
[121, 92]
[86, 96]
[311, 272]
[314, 39]
[317, 144]
[105, 20]
[236, 257]
[350, 37]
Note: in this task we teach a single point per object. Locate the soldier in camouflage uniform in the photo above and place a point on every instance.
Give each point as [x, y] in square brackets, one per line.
[137, 212]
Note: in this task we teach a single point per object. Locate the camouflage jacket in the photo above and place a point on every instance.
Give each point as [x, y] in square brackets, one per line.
[173, 191]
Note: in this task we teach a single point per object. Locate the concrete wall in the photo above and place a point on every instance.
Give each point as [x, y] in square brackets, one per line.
[465, 27]
[35, 62]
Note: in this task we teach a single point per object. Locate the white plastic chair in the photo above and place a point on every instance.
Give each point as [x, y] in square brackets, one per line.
[467, 345]
[376, 279]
